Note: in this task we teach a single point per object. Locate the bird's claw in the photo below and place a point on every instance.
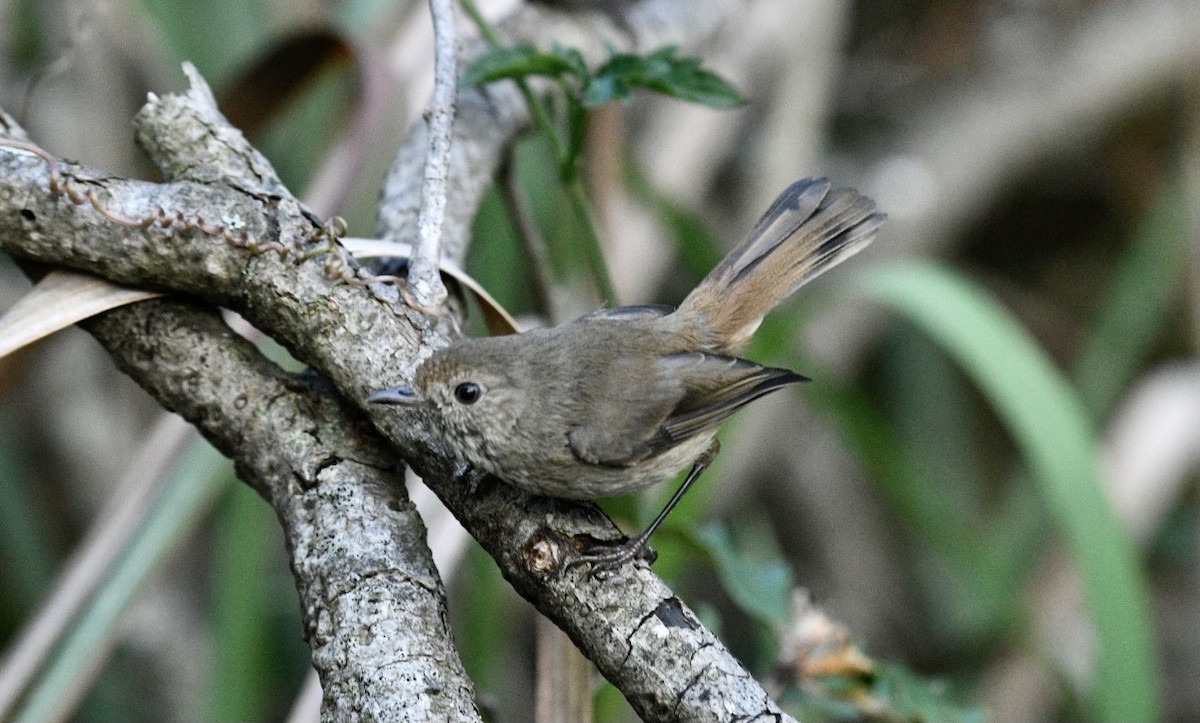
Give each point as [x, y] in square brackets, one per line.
[607, 555]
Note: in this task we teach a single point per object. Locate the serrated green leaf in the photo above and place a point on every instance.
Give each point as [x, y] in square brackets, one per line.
[519, 62]
[661, 72]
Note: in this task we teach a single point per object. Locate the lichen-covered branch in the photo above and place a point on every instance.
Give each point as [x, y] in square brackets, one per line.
[373, 605]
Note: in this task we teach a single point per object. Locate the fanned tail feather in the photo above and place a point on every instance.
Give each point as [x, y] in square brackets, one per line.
[808, 230]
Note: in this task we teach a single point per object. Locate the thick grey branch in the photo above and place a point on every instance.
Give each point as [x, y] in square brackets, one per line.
[372, 601]
[373, 604]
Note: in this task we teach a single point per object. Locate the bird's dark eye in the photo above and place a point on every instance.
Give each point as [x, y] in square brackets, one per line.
[468, 392]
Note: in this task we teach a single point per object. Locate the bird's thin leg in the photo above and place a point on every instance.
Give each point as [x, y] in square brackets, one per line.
[608, 556]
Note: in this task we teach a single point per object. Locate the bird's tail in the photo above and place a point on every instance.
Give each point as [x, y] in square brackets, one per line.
[809, 229]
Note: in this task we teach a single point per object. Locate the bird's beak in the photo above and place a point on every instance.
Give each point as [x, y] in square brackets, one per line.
[403, 394]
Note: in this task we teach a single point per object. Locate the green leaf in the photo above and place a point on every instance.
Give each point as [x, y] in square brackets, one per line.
[522, 61]
[911, 698]
[1051, 428]
[762, 588]
[660, 72]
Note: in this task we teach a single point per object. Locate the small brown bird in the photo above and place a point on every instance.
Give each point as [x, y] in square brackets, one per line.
[620, 399]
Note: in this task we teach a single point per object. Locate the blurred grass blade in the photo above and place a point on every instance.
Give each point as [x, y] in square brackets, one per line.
[202, 476]
[1134, 312]
[1051, 428]
[94, 557]
[28, 547]
[242, 542]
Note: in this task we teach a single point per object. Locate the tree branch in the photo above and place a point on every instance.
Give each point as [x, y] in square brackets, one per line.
[424, 281]
[372, 602]
[373, 605]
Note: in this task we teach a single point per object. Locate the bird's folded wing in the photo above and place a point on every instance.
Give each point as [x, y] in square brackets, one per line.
[649, 407]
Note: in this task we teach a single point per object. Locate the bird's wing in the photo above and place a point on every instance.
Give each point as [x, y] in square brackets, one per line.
[626, 405]
[683, 395]
[716, 386]
[640, 312]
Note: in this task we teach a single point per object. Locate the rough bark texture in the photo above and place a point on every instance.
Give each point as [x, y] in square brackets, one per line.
[373, 605]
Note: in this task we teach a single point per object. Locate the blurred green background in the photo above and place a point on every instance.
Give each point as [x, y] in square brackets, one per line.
[991, 481]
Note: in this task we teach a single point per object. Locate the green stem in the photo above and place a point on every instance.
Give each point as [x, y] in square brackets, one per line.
[592, 246]
[568, 174]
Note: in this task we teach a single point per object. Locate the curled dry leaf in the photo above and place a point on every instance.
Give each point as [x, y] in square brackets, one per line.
[498, 320]
[60, 299]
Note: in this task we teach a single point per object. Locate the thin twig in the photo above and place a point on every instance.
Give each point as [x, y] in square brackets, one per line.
[425, 285]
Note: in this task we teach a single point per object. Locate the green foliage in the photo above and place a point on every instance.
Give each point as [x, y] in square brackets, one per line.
[1053, 432]
[889, 692]
[583, 89]
[523, 61]
[886, 693]
[660, 71]
[758, 580]
[760, 584]
[911, 698]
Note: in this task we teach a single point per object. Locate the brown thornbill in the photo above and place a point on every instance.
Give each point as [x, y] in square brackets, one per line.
[620, 399]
